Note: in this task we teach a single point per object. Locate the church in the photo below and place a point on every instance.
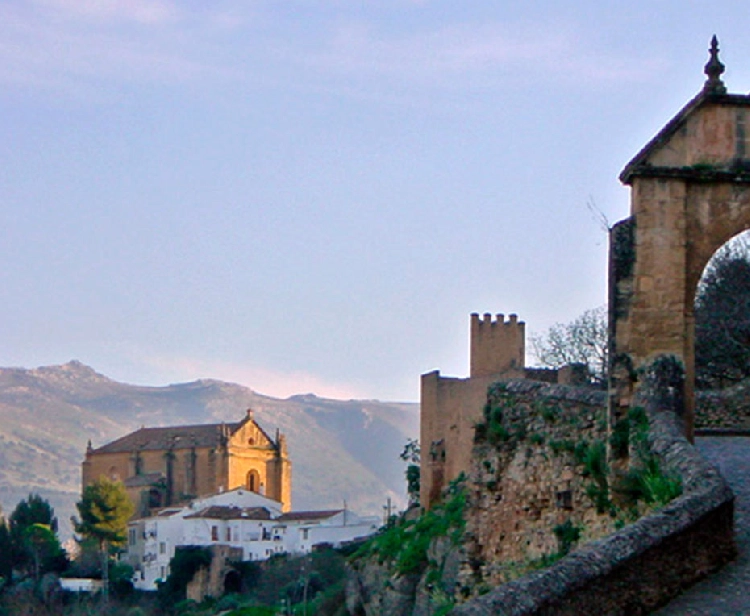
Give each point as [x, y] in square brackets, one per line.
[162, 467]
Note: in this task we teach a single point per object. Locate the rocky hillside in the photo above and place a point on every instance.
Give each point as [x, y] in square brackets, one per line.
[339, 449]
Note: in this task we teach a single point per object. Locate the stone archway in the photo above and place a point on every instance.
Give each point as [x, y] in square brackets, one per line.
[690, 193]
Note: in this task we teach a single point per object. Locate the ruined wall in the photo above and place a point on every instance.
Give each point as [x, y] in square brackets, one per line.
[209, 582]
[726, 409]
[450, 407]
[641, 566]
[527, 476]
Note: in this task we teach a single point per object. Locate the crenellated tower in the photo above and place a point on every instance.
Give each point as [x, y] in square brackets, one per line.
[496, 345]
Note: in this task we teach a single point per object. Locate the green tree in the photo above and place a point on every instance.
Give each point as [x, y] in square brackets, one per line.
[104, 511]
[32, 511]
[46, 552]
[412, 455]
[6, 552]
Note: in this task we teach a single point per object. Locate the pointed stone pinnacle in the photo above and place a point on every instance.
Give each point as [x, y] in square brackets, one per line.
[713, 70]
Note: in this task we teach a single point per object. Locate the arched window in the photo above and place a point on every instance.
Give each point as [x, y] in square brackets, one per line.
[253, 481]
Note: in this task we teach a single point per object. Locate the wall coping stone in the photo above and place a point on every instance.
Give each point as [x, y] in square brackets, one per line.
[551, 391]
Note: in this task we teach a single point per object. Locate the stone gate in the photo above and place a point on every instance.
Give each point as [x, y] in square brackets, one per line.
[690, 193]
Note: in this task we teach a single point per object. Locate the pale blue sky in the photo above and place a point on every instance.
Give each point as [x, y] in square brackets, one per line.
[313, 196]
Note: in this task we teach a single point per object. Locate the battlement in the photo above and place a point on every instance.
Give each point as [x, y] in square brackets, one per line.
[497, 345]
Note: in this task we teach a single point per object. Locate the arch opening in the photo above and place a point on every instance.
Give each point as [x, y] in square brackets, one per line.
[232, 582]
[722, 316]
[253, 481]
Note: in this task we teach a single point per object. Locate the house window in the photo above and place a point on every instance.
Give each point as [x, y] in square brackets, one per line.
[162, 547]
[214, 533]
[305, 533]
[229, 534]
[163, 573]
[131, 536]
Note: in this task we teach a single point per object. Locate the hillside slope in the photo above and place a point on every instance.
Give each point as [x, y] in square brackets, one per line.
[340, 450]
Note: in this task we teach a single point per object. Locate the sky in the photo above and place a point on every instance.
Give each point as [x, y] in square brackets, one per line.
[312, 197]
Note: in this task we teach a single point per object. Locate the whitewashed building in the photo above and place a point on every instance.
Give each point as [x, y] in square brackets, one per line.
[240, 519]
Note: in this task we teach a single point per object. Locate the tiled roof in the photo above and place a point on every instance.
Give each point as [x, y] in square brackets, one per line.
[174, 437]
[297, 516]
[218, 512]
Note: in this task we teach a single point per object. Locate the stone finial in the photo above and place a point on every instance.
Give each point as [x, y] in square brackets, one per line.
[89, 448]
[713, 70]
[249, 413]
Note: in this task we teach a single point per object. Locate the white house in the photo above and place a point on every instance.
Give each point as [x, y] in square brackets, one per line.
[238, 518]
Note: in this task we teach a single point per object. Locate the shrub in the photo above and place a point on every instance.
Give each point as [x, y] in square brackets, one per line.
[564, 445]
[567, 536]
[646, 482]
[619, 440]
[550, 413]
[537, 439]
[406, 542]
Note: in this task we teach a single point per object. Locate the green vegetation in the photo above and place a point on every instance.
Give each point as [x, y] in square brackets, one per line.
[405, 542]
[184, 565]
[28, 541]
[496, 431]
[567, 535]
[411, 454]
[594, 459]
[561, 446]
[646, 482]
[549, 413]
[619, 440]
[537, 439]
[104, 510]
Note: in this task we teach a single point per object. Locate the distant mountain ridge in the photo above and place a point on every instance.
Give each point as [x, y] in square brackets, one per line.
[340, 449]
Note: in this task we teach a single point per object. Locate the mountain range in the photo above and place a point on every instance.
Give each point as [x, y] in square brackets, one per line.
[341, 450]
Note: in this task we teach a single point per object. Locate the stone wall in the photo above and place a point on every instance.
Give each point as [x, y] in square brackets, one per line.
[209, 581]
[643, 565]
[527, 477]
[450, 407]
[726, 409]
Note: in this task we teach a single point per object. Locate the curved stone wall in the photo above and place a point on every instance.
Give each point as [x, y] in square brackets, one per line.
[647, 563]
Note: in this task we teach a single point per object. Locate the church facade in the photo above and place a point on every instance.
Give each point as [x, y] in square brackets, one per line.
[162, 467]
